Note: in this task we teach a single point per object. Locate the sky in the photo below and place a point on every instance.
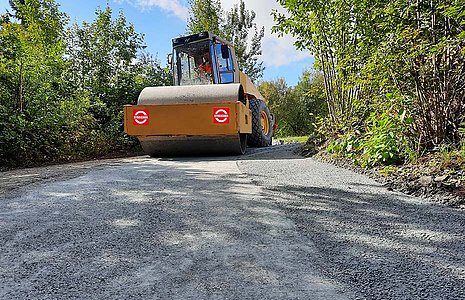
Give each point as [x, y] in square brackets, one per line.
[162, 20]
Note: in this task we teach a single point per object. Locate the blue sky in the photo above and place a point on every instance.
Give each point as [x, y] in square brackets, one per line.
[161, 20]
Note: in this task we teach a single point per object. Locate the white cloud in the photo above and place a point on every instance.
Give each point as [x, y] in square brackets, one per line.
[275, 51]
[172, 6]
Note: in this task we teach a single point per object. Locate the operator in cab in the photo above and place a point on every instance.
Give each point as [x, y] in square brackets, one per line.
[205, 67]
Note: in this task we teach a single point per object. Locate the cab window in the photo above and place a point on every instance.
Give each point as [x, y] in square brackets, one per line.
[193, 64]
[225, 63]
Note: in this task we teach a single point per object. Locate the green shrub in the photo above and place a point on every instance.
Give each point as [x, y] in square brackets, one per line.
[383, 141]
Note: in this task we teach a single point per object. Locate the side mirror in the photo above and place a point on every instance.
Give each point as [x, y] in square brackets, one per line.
[169, 59]
[224, 51]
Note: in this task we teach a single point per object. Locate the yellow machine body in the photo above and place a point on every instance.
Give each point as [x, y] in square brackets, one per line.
[190, 120]
[198, 119]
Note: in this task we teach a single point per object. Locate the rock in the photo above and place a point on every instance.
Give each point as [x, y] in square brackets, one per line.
[425, 180]
[278, 142]
[441, 178]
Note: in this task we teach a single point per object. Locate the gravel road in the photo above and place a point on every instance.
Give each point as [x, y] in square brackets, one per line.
[267, 225]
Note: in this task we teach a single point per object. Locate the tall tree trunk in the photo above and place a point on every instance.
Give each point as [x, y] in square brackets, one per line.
[21, 86]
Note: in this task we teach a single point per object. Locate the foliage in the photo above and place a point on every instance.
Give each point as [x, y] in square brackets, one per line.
[462, 149]
[276, 93]
[106, 64]
[238, 23]
[384, 141]
[234, 26]
[293, 139]
[462, 141]
[62, 90]
[31, 65]
[296, 108]
[310, 93]
[379, 56]
[205, 15]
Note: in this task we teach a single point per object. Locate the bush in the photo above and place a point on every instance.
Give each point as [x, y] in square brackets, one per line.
[383, 142]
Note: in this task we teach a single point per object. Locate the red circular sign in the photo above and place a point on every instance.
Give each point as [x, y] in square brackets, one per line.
[221, 115]
[141, 117]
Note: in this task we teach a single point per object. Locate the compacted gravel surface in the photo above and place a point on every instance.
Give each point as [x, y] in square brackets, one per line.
[384, 245]
[266, 225]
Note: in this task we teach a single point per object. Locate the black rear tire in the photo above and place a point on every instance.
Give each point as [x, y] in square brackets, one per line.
[243, 141]
[260, 137]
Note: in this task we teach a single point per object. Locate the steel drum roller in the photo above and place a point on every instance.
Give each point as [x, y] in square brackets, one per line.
[190, 94]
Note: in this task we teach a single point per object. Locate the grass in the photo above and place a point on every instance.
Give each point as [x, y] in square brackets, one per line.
[289, 139]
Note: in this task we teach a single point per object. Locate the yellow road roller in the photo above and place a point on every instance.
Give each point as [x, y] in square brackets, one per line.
[212, 108]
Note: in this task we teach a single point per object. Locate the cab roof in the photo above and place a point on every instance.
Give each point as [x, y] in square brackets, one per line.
[206, 35]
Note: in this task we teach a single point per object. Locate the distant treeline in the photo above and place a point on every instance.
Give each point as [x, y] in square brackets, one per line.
[62, 87]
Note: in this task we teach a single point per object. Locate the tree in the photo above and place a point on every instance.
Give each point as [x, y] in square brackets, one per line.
[102, 54]
[393, 58]
[296, 108]
[29, 46]
[234, 26]
[62, 91]
[205, 15]
[105, 59]
[310, 95]
[31, 65]
[425, 56]
[239, 22]
[108, 66]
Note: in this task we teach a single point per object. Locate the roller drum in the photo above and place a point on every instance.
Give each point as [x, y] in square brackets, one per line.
[194, 146]
[192, 94]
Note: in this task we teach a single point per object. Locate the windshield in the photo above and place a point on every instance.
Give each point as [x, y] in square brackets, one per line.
[193, 64]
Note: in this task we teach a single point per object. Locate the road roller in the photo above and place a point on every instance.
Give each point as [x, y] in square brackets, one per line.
[212, 107]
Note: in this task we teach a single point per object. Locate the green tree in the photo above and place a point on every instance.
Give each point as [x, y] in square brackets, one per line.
[62, 91]
[205, 15]
[108, 66]
[102, 55]
[31, 45]
[425, 56]
[281, 102]
[238, 24]
[296, 108]
[397, 59]
[31, 68]
[310, 97]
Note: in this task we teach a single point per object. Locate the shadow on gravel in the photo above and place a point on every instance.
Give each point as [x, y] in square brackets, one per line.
[388, 247]
[152, 230]
[286, 151]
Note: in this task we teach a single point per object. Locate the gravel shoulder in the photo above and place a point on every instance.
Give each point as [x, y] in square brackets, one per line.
[14, 180]
[428, 178]
[386, 245]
